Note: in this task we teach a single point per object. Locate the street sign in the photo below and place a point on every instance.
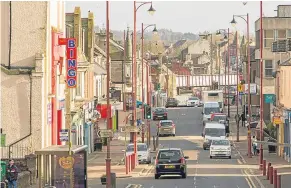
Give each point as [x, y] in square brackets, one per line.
[240, 88]
[131, 129]
[64, 135]
[105, 133]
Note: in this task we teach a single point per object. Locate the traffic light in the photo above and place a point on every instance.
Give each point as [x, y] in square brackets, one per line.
[148, 112]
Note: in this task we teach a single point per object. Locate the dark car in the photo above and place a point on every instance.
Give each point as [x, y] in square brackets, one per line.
[170, 161]
[160, 113]
[171, 102]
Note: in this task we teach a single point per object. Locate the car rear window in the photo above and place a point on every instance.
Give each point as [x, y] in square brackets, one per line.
[193, 98]
[220, 142]
[169, 154]
[166, 124]
[159, 109]
[218, 118]
[171, 99]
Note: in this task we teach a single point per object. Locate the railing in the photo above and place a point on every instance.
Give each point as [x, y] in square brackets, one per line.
[15, 152]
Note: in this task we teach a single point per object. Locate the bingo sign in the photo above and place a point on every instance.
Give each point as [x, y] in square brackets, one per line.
[71, 65]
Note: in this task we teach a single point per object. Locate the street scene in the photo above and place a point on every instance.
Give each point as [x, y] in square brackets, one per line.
[145, 94]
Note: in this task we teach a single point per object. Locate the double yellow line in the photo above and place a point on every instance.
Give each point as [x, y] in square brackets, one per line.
[247, 176]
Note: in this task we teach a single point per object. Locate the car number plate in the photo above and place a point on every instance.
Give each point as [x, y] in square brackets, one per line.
[166, 129]
[160, 116]
[169, 166]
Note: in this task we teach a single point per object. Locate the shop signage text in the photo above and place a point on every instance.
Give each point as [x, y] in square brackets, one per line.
[71, 65]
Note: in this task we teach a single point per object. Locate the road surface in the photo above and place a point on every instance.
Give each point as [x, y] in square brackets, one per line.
[203, 172]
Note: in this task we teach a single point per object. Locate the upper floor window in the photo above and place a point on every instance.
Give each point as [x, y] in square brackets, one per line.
[268, 68]
[280, 34]
[268, 38]
[79, 84]
[289, 33]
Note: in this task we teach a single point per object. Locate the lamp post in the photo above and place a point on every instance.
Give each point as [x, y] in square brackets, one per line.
[226, 38]
[147, 76]
[261, 88]
[108, 159]
[246, 19]
[151, 11]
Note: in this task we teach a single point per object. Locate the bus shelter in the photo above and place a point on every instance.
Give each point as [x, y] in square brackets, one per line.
[56, 168]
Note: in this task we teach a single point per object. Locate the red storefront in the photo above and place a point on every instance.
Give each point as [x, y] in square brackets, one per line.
[56, 63]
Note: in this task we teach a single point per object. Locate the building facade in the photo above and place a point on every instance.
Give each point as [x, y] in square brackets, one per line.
[31, 71]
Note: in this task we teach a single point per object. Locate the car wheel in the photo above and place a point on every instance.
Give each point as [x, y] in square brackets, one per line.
[229, 157]
[157, 176]
[184, 176]
[204, 148]
[165, 118]
[210, 157]
[174, 135]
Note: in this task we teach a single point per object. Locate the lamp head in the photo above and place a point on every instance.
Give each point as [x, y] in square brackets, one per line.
[233, 22]
[155, 31]
[151, 10]
[218, 32]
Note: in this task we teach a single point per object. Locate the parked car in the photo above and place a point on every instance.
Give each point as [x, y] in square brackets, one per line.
[171, 102]
[170, 161]
[160, 113]
[143, 152]
[166, 127]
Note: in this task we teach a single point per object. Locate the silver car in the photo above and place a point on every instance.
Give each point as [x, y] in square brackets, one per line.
[143, 152]
[166, 127]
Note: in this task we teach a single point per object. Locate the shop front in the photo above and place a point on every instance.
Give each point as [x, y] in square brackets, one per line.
[77, 128]
[287, 133]
[88, 109]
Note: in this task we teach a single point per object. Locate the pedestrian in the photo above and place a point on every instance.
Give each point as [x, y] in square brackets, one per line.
[12, 174]
[243, 119]
[255, 144]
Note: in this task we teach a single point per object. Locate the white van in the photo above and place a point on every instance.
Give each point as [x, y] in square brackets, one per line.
[210, 108]
[213, 131]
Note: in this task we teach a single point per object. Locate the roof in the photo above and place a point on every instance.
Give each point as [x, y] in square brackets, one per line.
[165, 121]
[214, 125]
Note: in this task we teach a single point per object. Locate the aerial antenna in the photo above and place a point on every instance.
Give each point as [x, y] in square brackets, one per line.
[245, 2]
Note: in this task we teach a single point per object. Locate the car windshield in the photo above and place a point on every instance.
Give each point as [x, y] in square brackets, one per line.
[193, 99]
[159, 109]
[166, 124]
[218, 118]
[214, 132]
[220, 142]
[212, 110]
[143, 147]
[169, 154]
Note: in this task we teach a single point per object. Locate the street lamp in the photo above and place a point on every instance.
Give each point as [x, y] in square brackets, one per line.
[233, 22]
[151, 11]
[147, 77]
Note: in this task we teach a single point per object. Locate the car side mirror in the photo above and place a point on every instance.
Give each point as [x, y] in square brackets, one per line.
[154, 157]
[186, 157]
[202, 134]
[202, 113]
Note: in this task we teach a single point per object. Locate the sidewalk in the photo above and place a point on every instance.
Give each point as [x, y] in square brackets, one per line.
[283, 167]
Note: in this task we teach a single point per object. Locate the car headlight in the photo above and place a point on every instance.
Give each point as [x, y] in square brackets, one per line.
[212, 148]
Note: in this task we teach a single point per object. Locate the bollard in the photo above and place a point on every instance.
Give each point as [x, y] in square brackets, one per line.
[278, 181]
[264, 167]
[132, 162]
[129, 163]
[126, 165]
[154, 143]
[157, 142]
[268, 171]
[271, 175]
[275, 177]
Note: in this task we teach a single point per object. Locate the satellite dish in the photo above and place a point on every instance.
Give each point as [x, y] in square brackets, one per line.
[244, 2]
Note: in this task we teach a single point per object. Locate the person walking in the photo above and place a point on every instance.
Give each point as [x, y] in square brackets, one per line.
[12, 174]
[243, 119]
[255, 144]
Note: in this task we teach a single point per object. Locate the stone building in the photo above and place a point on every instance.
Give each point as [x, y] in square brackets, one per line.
[29, 96]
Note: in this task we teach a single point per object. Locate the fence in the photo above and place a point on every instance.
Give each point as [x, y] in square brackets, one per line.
[15, 152]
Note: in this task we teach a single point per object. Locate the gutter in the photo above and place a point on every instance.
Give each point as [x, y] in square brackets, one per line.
[10, 34]
[30, 119]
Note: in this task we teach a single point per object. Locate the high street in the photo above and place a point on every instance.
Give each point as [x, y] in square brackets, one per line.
[202, 171]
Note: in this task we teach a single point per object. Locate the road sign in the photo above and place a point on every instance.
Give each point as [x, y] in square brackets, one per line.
[240, 88]
[105, 133]
[131, 129]
[64, 135]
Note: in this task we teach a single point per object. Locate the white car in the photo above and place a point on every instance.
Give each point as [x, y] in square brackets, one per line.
[193, 101]
[143, 152]
[220, 148]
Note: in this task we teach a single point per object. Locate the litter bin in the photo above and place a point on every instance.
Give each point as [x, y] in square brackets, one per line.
[104, 141]
[3, 170]
[113, 180]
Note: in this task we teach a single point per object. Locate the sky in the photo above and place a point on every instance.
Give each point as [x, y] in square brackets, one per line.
[179, 16]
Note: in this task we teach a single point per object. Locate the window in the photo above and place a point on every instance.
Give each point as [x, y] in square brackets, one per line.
[268, 68]
[268, 38]
[258, 39]
[280, 34]
[289, 33]
[79, 84]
